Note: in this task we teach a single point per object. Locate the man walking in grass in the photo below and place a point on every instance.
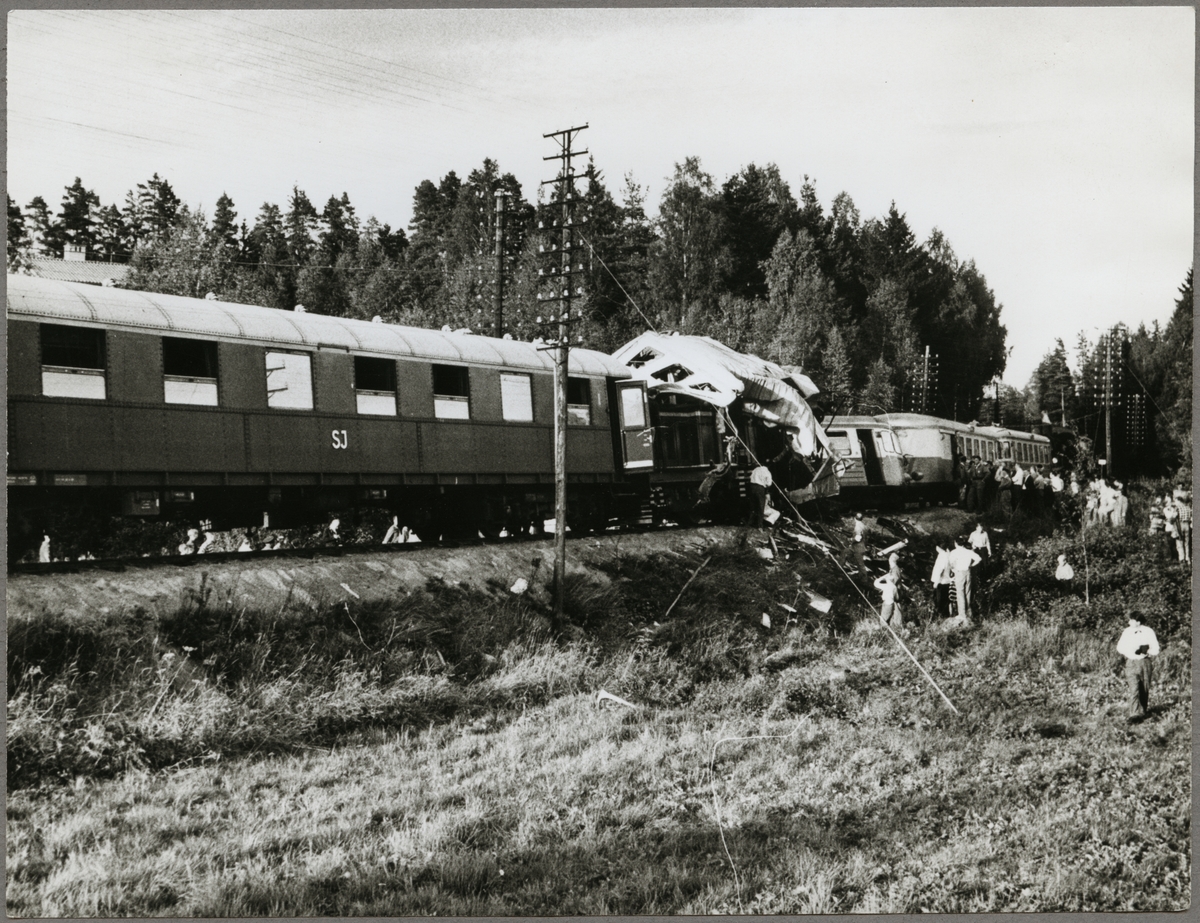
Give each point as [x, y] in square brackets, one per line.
[1137, 645]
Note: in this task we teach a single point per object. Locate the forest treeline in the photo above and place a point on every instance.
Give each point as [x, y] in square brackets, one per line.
[853, 301]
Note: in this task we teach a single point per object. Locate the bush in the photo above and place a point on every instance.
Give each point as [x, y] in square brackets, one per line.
[1117, 569]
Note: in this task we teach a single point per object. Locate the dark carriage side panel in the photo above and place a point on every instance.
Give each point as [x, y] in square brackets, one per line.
[26, 447]
[139, 438]
[334, 382]
[415, 382]
[68, 437]
[289, 441]
[485, 394]
[242, 376]
[449, 447]
[24, 359]
[515, 448]
[543, 398]
[135, 370]
[589, 450]
[601, 415]
[203, 440]
[385, 446]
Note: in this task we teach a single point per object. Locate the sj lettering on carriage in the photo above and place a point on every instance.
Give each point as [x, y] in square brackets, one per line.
[340, 439]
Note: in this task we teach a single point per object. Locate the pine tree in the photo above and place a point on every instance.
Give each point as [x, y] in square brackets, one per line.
[224, 224]
[77, 219]
[39, 223]
[300, 227]
[112, 236]
[689, 255]
[17, 241]
[879, 393]
[836, 373]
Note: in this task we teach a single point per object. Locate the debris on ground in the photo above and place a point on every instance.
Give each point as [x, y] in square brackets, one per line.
[899, 526]
[605, 696]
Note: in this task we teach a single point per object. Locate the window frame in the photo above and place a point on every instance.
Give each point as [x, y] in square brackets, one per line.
[204, 387]
[527, 379]
[579, 414]
[73, 379]
[308, 358]
[444, 400]
[376, 396]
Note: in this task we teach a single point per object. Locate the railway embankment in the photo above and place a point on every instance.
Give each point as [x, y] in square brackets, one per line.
[315, 580]
[438, 746]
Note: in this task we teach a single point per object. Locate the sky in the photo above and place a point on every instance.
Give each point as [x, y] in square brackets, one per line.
[1054, 147]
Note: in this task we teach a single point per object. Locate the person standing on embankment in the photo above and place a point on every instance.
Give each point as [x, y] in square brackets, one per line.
[1137, 645]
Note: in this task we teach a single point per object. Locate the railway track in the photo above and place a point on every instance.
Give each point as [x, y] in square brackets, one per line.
[120, 565]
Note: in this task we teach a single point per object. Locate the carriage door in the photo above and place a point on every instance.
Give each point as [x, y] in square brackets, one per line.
[633, 415]
[870, 457]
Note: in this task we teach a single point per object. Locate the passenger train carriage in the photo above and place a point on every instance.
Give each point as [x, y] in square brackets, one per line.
[149, 404]
[912, 457]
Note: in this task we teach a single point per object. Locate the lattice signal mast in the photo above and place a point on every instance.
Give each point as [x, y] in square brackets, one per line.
[561, 246]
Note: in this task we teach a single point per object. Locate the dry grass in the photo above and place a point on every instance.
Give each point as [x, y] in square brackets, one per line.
[764, 771]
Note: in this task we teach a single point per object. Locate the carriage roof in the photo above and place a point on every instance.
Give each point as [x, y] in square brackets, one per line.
[44, 300]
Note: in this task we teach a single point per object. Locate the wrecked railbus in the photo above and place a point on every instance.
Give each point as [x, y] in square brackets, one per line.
[714, 415]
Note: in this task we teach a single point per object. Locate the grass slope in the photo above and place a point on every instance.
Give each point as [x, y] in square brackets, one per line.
[447, 754]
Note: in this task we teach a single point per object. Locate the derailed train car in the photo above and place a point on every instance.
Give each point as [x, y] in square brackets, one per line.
[715, 415]
[911, 457]
[155, 405]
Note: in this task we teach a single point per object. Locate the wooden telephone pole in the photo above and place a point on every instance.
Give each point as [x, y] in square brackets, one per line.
[500, 197]
[560, 275]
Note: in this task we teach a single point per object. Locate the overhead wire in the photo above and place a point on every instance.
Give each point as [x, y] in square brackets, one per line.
[340, 85]
[630, 298]
[477, 91]
[236, 55]
[851, 581]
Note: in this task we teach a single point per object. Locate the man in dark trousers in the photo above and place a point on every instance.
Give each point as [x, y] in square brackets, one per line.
[1137, 645]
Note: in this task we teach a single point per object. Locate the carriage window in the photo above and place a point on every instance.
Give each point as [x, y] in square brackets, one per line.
[451, 392]
[840, 443]
[579, 401]
[632, 408]
[73, 362]
[375, 386]
[887, 440]
[189, 371]
[289, 381]
[516, 398]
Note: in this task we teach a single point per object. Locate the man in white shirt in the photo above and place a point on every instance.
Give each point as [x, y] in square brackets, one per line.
[888, 612]
[981, 543]
[962, 559]
[760, 483]
[1137, 645]
[858, 545]
[940, 578]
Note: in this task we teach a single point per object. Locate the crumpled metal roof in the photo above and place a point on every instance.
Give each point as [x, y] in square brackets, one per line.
[149, 312]
[710, 371]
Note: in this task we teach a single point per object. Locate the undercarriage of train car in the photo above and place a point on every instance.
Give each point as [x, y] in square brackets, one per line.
[105, 521]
